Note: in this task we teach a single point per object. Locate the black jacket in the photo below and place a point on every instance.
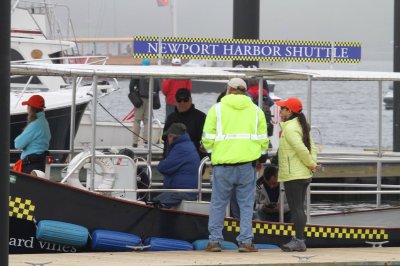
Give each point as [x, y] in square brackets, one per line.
[143, 86]
[193, 119]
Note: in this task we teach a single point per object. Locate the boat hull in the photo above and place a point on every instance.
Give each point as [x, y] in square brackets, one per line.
[35, 199]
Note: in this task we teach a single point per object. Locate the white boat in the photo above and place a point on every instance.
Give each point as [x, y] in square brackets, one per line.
[113, 204]
[29, 43]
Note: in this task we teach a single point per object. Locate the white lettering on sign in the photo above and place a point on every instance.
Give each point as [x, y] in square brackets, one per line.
[31, 243]
[247, 50]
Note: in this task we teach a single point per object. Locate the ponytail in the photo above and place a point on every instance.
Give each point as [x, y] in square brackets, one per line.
[305, 128]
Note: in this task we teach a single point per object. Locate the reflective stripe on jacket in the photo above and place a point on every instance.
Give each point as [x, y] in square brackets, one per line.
[294, 157]
[235, 131]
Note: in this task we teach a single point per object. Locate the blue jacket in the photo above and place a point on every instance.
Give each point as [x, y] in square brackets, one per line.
[180, 167]
[35, 138]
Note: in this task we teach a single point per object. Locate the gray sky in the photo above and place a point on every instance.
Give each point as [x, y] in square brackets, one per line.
[367, 21]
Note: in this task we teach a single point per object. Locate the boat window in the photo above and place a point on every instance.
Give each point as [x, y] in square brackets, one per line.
[56, 55]
[15, 56]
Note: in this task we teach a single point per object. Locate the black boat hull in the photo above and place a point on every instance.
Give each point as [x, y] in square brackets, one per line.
[35, 199]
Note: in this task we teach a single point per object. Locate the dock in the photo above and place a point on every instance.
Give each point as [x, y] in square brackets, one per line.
[315, 256]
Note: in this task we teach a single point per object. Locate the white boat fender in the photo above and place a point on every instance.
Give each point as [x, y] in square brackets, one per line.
[38, 173]
[105, 179]
[62, 233]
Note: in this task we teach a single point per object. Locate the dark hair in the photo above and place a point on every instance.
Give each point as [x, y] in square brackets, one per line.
[269, 172]
[220, 96]
[305, 128]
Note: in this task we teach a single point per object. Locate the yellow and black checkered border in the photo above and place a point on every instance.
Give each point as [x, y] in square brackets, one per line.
[312, 231]
[346, 233]
[245, 41]
[21, 208]
[250, 58]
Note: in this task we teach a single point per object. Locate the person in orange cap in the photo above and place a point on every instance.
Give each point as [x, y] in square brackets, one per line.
[34, 140]
[297, 159]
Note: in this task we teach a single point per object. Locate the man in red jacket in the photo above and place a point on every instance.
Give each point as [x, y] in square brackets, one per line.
[170, 86]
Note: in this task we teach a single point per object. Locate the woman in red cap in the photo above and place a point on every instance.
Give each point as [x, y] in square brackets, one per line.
[297, 157]
[34, 140]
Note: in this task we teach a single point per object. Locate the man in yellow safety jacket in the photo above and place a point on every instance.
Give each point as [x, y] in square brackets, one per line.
[235, 133]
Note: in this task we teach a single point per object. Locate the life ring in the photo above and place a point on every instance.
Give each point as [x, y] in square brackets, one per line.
[103, 180]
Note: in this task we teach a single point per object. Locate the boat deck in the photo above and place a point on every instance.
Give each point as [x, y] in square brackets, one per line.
[321, 256]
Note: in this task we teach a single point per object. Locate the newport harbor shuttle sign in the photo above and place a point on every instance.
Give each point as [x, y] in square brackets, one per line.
[247, 49]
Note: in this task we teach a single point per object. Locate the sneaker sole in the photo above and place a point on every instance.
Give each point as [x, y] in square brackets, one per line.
[245, 250]
[213, 250]
[292, 250]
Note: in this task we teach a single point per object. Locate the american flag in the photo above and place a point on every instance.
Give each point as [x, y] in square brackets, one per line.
[163, 2]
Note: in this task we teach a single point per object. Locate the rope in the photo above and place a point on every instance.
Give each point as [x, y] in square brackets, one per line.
[122, 124]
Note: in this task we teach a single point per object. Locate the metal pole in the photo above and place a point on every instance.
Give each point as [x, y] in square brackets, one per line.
[281, 202]
[174, 8]
[396, 85]
[308, 204]
[260, 92]
[5, 21]
[379, 163]
[94, 119]
[309, 92]
[73, 112]
[150, 120]
[246, 23]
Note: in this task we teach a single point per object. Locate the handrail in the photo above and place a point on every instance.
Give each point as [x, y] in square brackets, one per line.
[351, 185]
[364, 192]
[200, 176]
[348, 192]
[86, 158]
[180, 190]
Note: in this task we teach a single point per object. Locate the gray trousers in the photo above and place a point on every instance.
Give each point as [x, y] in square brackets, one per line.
[296, 194]
[141, 114]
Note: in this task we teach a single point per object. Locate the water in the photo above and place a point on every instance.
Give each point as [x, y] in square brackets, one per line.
[346, 113]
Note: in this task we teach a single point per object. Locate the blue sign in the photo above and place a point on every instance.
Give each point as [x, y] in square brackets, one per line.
[247, 50]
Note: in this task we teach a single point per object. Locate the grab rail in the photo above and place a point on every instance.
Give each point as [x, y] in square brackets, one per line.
[200, 176]
[348, 192]
[86, 159]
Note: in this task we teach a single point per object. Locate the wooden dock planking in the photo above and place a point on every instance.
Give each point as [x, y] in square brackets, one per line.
[322, 256]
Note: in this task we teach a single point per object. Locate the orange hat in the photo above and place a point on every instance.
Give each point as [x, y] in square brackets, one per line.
[35, 101]
[293, 104]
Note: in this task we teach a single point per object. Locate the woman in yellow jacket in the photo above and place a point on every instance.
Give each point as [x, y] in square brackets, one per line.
[297, 160]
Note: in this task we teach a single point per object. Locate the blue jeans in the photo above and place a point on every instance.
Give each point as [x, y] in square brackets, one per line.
[171, 199]
[240, 179]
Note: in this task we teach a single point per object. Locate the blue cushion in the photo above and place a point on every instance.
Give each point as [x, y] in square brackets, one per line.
[166, 244]
[266, 246]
